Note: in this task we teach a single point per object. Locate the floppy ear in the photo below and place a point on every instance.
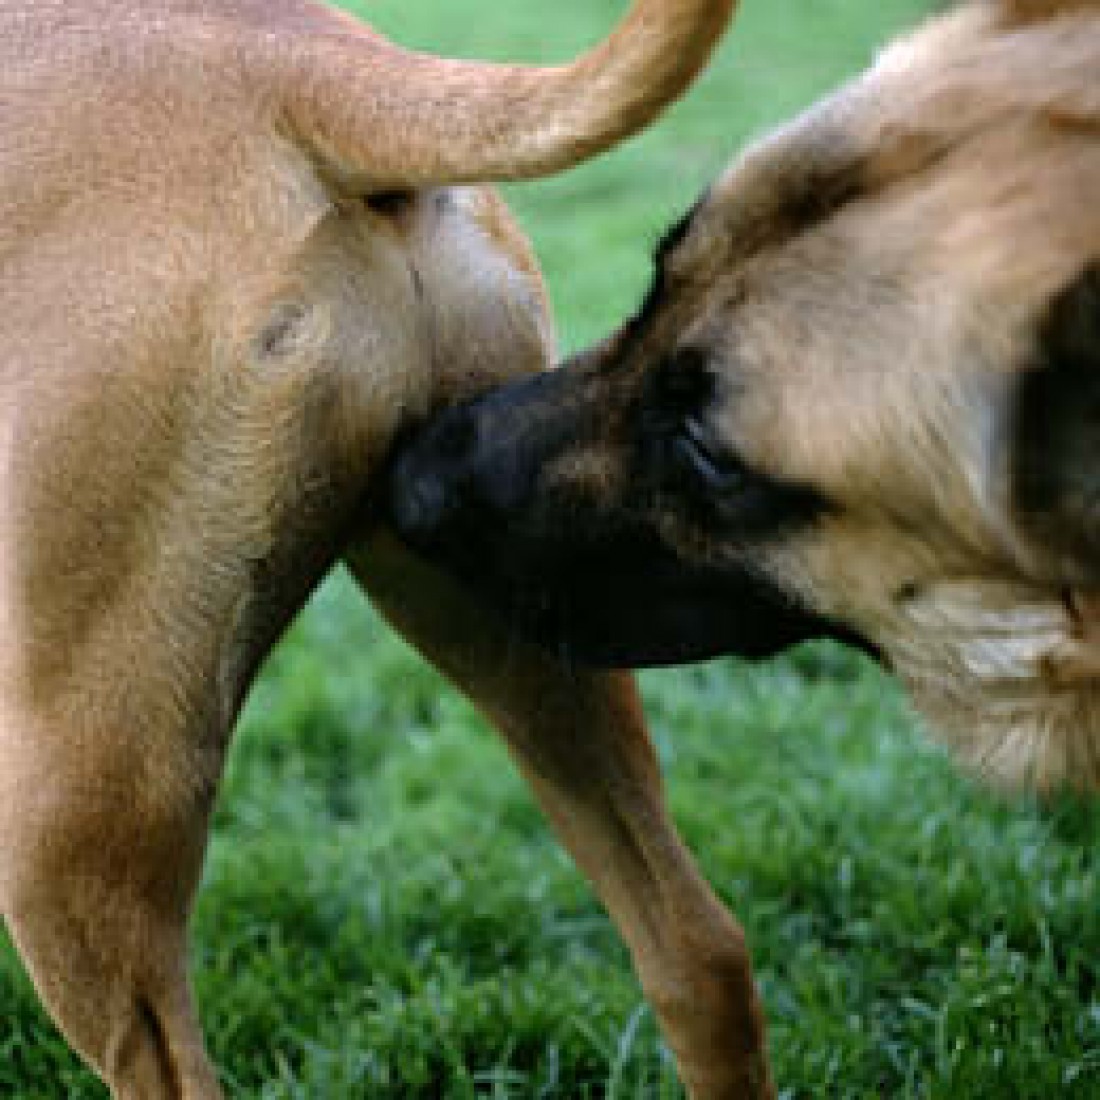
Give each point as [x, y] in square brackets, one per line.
[1057, 439]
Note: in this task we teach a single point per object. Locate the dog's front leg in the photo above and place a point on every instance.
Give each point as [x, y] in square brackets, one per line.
[581, 741]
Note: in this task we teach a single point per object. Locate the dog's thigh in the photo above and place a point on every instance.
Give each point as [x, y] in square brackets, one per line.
[581, 741]
[96, 880]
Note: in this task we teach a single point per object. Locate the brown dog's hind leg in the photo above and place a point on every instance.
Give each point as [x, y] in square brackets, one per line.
[96, 891]
[581, 742]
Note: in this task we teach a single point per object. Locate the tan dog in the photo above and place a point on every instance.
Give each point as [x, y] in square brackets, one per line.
[862, 399]
[229, 272]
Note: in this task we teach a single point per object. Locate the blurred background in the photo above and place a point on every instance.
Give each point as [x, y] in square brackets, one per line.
[384, 913]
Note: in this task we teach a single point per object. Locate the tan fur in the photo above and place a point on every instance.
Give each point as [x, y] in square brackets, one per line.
[912, 309]
[209, 334]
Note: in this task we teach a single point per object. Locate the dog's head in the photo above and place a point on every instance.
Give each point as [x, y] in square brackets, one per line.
[861, 400]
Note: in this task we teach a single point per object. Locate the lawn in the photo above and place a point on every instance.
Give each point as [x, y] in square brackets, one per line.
[384, 913]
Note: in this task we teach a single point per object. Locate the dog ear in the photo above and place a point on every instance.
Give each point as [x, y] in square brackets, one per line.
[1057, 437]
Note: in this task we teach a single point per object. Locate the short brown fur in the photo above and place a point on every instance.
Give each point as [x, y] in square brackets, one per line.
[233, 264]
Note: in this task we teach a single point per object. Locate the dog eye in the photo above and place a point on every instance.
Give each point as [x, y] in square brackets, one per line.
[711, 466]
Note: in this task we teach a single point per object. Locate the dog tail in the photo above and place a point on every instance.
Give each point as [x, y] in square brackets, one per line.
[388, 118]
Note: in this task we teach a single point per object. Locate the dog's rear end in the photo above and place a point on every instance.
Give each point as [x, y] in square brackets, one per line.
[232, 264]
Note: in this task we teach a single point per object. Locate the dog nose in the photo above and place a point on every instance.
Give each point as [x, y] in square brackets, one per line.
[418, 502]
[427, 473]
[423, 496]
[472, 468]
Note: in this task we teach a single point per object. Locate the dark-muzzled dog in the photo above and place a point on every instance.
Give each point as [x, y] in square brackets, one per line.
[861, 400]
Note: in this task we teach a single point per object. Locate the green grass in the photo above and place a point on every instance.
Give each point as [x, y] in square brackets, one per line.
[384, 913]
